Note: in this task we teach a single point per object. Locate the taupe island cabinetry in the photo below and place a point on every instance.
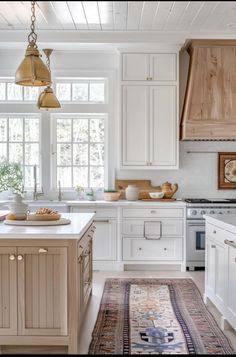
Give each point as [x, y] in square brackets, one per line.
[45, 282]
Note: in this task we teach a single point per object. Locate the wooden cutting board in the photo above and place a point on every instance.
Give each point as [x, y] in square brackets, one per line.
[144, 187]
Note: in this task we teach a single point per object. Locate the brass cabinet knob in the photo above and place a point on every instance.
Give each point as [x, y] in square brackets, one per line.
[12, 257]
[20, 257]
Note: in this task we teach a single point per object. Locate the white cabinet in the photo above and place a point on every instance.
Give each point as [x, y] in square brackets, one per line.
[231, 286]
[149, 67]
[215, 272]
[104, 240]
[149, 126]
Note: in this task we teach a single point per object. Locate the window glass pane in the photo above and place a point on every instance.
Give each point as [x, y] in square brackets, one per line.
[80, 92]
[15, 129]
[96, 93]
[64, 175]
[3, 152]
[16, 153]
[63, 91]
[3, 129]
[97, 177]
[31, 129]
[97, 130]
[80, 154]
[14, 91]
[64, 154]
[31, 93]
[63, 130]
[97, 154]
[2, 91]
[31, 154]
[80, 129]
[80, 176]
[29, 176]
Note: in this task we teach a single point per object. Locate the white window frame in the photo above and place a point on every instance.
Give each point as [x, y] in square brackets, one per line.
[7, 80]
[54, 144]
[27, 115]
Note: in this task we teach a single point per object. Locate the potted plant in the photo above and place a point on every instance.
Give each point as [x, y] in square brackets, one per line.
[90, 195]
[11, 177]
[111, 195]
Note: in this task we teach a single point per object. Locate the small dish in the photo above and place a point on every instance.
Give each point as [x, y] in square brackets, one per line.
[156, 194]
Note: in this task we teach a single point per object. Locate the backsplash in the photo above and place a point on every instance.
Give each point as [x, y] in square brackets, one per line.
[198, 172]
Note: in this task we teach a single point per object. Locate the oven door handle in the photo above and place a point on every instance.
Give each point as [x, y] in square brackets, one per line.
[195, 224]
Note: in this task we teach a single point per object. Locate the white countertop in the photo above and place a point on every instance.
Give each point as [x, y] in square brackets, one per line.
[224, 221]
[75, 230]
[125, 203]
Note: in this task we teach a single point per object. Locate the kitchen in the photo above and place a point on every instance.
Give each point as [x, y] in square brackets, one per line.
[129, 114]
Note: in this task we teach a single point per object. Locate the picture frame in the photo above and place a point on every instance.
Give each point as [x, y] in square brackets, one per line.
[226, 170]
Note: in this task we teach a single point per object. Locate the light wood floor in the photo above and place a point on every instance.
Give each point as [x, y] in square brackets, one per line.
[99, 279]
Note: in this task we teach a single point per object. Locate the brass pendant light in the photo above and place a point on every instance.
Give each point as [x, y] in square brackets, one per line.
[32, 71]
[47, 98]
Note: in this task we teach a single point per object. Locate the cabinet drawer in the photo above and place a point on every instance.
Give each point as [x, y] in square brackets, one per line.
[153, 212]
[218, 234]
[100, 212]
[143, 249]
[168, 227]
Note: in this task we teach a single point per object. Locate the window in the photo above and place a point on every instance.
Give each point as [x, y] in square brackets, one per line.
[10, 91]
[82, 90]
[19, 142]
[79, 142]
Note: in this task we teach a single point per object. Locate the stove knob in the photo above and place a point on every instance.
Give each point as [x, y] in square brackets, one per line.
[194, 212]
[220, 212]
[203, 212]
[212, 212]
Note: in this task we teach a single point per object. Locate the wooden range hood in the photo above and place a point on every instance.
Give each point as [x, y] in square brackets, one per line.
[209, 110]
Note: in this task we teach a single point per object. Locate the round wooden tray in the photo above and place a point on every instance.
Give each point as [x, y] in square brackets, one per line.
[58, 222]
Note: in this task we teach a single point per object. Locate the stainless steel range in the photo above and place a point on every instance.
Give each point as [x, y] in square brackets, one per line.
[195, 230]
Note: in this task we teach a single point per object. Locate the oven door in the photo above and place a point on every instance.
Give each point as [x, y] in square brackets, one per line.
[195, 241]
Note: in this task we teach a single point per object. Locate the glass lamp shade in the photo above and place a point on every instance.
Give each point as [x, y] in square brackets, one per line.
[47, 99]
[32, 71]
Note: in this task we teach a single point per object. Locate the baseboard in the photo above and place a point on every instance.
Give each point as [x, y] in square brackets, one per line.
[107, 266]
[138, 267]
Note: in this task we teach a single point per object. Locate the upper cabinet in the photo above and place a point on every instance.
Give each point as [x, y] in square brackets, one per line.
[209, 111]
[149, 125]
[149, 67]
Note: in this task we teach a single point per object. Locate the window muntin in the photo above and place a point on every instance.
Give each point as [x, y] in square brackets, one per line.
[80, 150]
[20, 142]
[82, 91]
[11, 92]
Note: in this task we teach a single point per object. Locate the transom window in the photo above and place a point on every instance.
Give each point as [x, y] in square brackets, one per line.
[82, 90]
[10, 91]
[19, 142]
[79, 156]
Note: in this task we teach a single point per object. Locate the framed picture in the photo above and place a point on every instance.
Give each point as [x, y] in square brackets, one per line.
[227, 170]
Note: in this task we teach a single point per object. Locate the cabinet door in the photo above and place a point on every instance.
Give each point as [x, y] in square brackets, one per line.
[42, 291]
[231, 291]
[104, 240]
[163, 67]
[210, 267]
[135, 66]
[135, 125]
[163, 121]
[8, 291]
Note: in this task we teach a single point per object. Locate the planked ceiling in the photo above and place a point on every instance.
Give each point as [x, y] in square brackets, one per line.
[160, 16]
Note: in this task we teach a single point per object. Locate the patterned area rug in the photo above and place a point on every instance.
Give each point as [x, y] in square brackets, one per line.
[155, 316]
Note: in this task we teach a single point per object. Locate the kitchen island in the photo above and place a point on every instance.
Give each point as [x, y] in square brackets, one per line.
[220, 281]
[46, 282]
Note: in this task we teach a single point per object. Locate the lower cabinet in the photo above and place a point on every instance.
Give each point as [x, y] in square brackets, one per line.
[104, 240]
[31, 285]
[231, 287]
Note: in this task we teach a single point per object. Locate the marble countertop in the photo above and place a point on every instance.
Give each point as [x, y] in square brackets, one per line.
[224, 221]
[75, 230]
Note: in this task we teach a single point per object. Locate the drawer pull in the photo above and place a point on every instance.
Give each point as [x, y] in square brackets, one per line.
[139, 248]
[165, 248]
[102, 221]
[213, 246]
[152, 211]
[12, 257]
[214, 232]
[43, 250]
[230, 242]
[20, 257]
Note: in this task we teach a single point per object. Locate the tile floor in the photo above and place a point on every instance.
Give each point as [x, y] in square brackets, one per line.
[99, 279]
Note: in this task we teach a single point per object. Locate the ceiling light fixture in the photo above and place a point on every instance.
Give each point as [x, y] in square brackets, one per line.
[47, 98]
[32, 71]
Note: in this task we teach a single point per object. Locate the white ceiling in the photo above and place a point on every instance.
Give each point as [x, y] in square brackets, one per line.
[117, 21]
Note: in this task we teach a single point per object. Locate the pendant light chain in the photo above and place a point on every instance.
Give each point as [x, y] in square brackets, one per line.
[32, 38]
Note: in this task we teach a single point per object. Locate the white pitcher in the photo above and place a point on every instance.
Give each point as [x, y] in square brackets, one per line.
[132, 193]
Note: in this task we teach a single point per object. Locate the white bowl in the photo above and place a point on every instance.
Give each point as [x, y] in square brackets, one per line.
[156, 194]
